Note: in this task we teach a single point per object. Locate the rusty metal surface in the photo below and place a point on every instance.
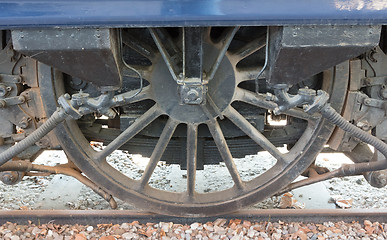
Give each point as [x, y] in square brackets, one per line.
[65, 169]
[93, 217]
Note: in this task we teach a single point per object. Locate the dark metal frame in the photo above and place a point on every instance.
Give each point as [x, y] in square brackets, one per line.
[138, 13]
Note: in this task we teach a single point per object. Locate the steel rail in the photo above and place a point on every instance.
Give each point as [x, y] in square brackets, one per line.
[93, 217]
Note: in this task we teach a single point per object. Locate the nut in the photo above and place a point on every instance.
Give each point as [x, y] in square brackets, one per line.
[364, 125]
[21, 99]
[193, 95]
[24, 122]
[367, 101]
[383, 92]
[4, 90]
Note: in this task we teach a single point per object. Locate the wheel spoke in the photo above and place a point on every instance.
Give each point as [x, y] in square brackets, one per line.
[165, 45]
[130, 132]
[225, 153]
[253, 133]
[225, 44]
[192, 145]
[137, 45]
[158, 152]
[260, 101]
[207, 33]
[246, 74]
[249, 48]
[168, 43]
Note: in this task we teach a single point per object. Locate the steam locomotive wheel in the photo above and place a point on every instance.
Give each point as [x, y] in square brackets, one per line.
[223, 90]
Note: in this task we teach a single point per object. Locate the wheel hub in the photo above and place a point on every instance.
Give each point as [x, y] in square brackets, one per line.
[219, 90]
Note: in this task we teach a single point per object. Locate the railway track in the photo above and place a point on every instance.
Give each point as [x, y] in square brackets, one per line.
[94, 217]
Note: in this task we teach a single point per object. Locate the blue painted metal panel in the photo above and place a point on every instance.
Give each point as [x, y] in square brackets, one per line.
[120, 13]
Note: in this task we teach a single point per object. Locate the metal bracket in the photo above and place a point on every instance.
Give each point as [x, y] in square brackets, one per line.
[373, 81]
[10, 78]
[192, 86]
[318, 48]
[91, 54]
[375, 103]
[11, 101]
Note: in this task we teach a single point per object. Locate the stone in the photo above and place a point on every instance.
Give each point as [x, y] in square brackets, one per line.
[194, 226]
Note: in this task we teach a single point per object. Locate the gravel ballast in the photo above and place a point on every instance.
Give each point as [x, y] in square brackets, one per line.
[219, 229]
[27, 194]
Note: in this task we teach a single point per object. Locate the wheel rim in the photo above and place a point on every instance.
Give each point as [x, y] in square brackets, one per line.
[190, 202]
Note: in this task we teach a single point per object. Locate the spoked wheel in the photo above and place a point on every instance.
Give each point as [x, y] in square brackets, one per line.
[229, 60]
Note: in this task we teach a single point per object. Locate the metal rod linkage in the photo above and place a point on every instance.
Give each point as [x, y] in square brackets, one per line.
[26, 166]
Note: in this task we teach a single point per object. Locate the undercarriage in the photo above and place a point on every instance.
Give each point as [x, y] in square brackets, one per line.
[194, 97]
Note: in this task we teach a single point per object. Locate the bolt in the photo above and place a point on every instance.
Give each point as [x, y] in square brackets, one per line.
[367, 81]
[111, 114]
[67, 96]
[21, 99]
[2, 104]
[363, 125]
[383, 92]
[193, 95]
[4, 90]
[11, 177]
[377, 179]
[367, 101]
[76, 81]
[24, 123]
[186, 89]
[269, 97]
[80, 98]
[306, 92]
[43, 143]
[7, 178]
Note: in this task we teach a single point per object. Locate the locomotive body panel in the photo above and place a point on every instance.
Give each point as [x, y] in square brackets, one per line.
[166, 13]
